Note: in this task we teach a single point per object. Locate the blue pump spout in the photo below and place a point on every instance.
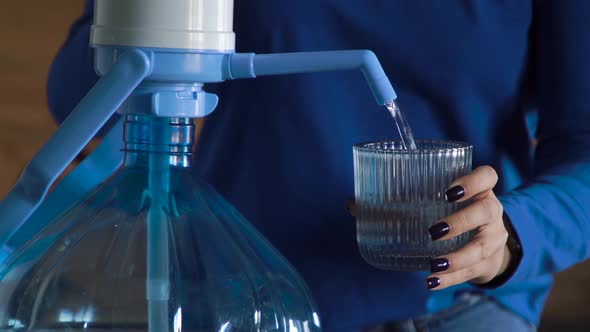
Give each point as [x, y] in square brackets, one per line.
[249, 65]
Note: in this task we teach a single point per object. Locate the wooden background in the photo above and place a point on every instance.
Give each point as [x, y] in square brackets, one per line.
[31, 33]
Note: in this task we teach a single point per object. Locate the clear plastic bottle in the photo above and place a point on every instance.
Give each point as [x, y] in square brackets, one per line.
[153, 248]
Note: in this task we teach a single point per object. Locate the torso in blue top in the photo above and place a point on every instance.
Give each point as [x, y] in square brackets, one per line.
[280, 148]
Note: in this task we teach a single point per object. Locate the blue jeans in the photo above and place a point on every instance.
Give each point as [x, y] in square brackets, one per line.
[471, 312]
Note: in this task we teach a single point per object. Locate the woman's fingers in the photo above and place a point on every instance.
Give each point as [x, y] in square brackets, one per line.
[481, 179]
[484, 256]
[478, 273]
[482, 247]
[486, 209]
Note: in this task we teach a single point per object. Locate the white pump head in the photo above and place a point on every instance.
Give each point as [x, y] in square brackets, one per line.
[178, 24]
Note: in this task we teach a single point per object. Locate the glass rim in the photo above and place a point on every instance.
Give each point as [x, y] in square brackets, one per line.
[454, 146]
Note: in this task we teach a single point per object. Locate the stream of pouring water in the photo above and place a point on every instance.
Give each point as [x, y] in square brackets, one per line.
[405, 133]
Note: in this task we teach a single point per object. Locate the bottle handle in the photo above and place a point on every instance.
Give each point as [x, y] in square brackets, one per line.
[69, 139]
[100, 164]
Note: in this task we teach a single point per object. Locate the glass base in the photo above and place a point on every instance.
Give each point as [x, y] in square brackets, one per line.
[400, 263]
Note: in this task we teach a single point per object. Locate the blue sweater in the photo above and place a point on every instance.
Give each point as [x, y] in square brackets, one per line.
[279, 148]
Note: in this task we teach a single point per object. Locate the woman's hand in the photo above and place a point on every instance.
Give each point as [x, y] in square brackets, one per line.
[486, 255]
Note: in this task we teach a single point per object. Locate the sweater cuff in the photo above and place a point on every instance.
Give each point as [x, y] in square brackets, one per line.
[522, 223]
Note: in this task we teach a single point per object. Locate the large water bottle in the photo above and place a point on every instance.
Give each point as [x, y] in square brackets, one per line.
[153, 248]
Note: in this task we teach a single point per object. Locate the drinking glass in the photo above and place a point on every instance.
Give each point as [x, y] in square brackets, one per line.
[399, 194]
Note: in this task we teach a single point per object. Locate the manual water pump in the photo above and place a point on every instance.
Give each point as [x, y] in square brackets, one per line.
[131, 239]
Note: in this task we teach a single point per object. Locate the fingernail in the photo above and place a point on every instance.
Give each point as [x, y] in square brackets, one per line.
[439, 230]
[432, 282]
[439, 265]
[454, 194]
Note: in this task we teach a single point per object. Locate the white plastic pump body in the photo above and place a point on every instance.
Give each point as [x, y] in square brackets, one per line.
[204, 25]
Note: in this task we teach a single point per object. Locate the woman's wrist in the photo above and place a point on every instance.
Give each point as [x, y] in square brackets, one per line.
[513, 253]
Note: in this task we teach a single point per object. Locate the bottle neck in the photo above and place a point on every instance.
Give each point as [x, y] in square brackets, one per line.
[170, 138]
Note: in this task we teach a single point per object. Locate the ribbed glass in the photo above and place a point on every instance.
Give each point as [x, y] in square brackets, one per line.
[401, 193]
[154, 248]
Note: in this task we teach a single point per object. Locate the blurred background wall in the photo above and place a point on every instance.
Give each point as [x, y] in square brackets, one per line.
[31, 33]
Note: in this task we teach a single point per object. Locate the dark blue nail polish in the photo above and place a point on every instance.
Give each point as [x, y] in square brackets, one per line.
[439, 230]
[432, 282]
[454, 194]
[439, 265]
